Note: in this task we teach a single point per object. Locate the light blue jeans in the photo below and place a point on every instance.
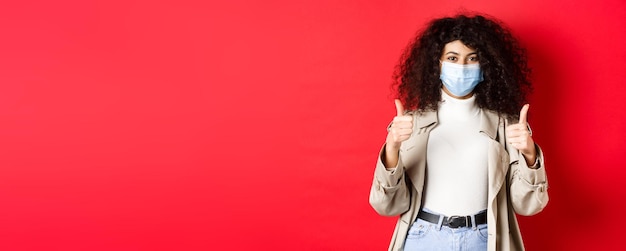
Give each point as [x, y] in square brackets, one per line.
[424, 235]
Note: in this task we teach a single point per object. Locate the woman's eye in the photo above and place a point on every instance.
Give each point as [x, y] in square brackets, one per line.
[452, 58]
[473, 59]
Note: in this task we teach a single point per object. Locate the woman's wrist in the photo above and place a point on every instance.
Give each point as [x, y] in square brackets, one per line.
[531, 159]
[391, 155]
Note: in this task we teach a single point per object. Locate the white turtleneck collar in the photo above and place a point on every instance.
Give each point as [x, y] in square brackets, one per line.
[453, 109]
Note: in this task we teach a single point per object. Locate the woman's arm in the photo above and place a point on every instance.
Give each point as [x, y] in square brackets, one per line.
[389, 194]
[528, 186]
[528, 181]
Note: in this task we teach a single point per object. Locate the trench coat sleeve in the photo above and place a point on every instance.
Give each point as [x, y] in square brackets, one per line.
[389, 195]
[529, 187]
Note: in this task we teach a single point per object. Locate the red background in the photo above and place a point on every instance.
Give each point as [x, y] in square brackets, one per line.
[237, 125]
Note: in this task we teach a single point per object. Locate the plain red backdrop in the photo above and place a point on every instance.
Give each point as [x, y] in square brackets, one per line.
[255, 125]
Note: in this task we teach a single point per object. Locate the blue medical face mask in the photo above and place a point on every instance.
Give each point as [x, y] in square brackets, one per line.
[460, 79]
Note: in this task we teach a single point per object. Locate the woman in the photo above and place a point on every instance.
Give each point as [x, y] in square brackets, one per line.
[462, 162]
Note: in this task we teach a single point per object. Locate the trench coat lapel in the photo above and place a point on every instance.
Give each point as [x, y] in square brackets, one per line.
[492, 125]
[413, 150]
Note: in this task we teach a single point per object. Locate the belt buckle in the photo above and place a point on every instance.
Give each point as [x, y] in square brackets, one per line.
[456, 221]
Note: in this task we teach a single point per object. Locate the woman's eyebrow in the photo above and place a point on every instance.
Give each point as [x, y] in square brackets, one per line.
[457, 54]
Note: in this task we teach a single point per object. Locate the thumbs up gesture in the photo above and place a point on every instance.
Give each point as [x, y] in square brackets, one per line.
[400, 130]
[401, 127]
[519, 136]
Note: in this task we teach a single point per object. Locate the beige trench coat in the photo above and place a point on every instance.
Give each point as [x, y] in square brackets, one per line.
[513, 186]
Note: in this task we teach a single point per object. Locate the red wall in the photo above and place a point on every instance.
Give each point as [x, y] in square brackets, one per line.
[194, 125]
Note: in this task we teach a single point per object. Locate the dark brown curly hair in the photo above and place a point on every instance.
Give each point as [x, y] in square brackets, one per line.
[503, 62]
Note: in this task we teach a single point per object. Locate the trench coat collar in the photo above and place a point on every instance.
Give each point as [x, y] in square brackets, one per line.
[488, 121]
[426, 118]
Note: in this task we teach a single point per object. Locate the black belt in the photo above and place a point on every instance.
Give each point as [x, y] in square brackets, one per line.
[454, 221]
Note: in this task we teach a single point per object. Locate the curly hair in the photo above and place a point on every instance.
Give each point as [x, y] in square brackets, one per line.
[503, 62]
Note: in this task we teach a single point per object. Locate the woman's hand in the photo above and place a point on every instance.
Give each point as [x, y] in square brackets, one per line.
[399, 131]
[519, 136]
